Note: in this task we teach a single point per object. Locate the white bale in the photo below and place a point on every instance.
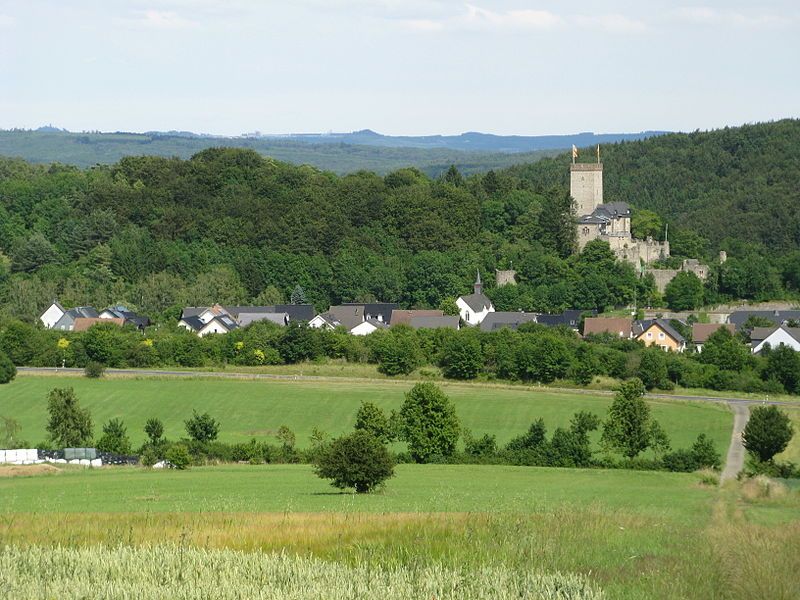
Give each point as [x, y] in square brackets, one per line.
[85, 462]
[32, 454]
[2, 456]
[160, 464]
[74, 461]
[61, 461]
[97, 462]
[11, 456]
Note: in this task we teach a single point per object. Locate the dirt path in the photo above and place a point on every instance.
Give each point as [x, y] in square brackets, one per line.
[736, 453]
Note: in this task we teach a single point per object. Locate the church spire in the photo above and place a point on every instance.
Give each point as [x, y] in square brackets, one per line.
[478, 287]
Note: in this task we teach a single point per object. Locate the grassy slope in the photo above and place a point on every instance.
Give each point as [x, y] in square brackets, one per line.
[257, 408]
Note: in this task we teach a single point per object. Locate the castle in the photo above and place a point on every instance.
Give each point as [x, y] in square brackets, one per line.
[610, 222]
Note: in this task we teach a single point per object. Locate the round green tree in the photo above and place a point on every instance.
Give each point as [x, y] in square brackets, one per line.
[373, 420]
[115, 438]
[7, 369]
[429, 422]
[767, 432]
[462, 356]
[358, 461]
[684, 292]
[69, 426]
[628, 428]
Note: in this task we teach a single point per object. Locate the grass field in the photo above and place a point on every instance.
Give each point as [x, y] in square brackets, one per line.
[256, 408]
[633, 535]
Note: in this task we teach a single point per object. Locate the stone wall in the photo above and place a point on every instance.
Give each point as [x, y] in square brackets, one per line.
[586, 186]
[506, 277]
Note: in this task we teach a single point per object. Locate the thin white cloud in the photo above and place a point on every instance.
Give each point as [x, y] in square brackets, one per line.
[706, 15]
[475, 17]
[160, 19]
[7, 21]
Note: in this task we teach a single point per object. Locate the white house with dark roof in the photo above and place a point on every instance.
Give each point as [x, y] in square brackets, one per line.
[474, 307]
[52, 314]
[775, 336]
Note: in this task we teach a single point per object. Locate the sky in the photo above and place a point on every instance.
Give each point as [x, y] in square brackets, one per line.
[400, 67]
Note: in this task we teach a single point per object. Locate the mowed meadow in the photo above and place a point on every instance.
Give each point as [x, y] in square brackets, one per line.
[257, 408]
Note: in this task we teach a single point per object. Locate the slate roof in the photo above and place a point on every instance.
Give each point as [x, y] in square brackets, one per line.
[131, 317]
[347, 315]
[477, 302]
[759, 334]
[193, 322]
[296, 312]
[437, 322]
[613, 325]
[403, 317]
[376, 309]
[88, 312]
[642, 326]
[511, 319]
[779, 317]
[613, 210]
[702, 331]
[570, 318]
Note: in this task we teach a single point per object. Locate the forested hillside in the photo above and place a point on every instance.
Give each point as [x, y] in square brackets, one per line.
[733, 187]
[231, 226]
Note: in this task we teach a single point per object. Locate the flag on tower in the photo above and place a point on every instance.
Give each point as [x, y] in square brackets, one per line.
[598, 153]
[574, 152]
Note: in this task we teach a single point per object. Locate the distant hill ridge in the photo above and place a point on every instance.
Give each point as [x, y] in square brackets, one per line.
[339, 152]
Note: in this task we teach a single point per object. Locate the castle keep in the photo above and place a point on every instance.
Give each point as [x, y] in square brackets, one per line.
[610, 222]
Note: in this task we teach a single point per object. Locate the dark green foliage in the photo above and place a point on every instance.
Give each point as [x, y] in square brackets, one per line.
[372, 419]
[115, 438]
[767, 433]
[178, 455]
[202, 428]
[627, 429]
[701, 455]
[725, 351]
[69, 425]
[542, 357]
[7, 369]
[358, 461]
[397, 351]
[430, 426]
[684, 292]
[148, 457]
[653, 368]
[705, 454]
[462, 357]
[154, 429]
[567, 447]
[94, 370]
[479, 448]
[783, 365]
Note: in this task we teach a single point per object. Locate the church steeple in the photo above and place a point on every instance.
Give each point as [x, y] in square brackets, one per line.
[478, 287]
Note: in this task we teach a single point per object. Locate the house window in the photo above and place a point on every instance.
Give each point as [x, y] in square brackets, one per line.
[466, 316]
[649, 334]
[661, 336]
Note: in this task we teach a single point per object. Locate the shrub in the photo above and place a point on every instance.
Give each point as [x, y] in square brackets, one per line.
[479, 448]
[704, 453]
[628, 428]
[767, 432]
[94, 370]
[69, 425]
[372, 419]
[7, 369]
[202, 428]
[148, 457]
[178, 455]
[429, 422]
[154, 429]
[462, 357]
[358, 461]
[397, 351]
[115, 438]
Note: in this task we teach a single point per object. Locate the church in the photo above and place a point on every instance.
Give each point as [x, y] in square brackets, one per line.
[610, 222]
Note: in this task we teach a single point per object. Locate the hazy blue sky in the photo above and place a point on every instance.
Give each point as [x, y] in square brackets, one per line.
[397, 66]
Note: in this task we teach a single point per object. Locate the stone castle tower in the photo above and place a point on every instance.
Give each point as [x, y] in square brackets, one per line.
[586, 186]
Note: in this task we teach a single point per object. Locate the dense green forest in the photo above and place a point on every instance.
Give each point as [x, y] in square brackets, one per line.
[89, 149]
[229, 225]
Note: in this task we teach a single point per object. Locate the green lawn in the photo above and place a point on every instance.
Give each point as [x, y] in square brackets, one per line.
[416, 488]
[256, 408]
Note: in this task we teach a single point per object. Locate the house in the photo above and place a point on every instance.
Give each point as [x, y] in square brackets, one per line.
[281, 319]
[129, 317]
[437, 322]
[348, 316]
[84, 323]
[380, 311]
[702, 331]
[617, 326]
[67, 320]
[569, 318]
[659, 332]
[775, 336]
[778, 317]
[295, 312]
[403, 317]
[507, 319]
[474, 307]
[52, 314]
[368, 326]
[202, 325]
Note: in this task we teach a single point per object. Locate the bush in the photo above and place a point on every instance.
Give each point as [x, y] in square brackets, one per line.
[358, 461]
[397, 351]
[767, 432]
[479, 448]
[429, 422]
[178, 455]
[148, 457]
[7, 369]
[462, 357]
[94, 370]
[154, 429]
[628, 427]
[372, 419]
[202, 428]
[69, 426]
[115, 438]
